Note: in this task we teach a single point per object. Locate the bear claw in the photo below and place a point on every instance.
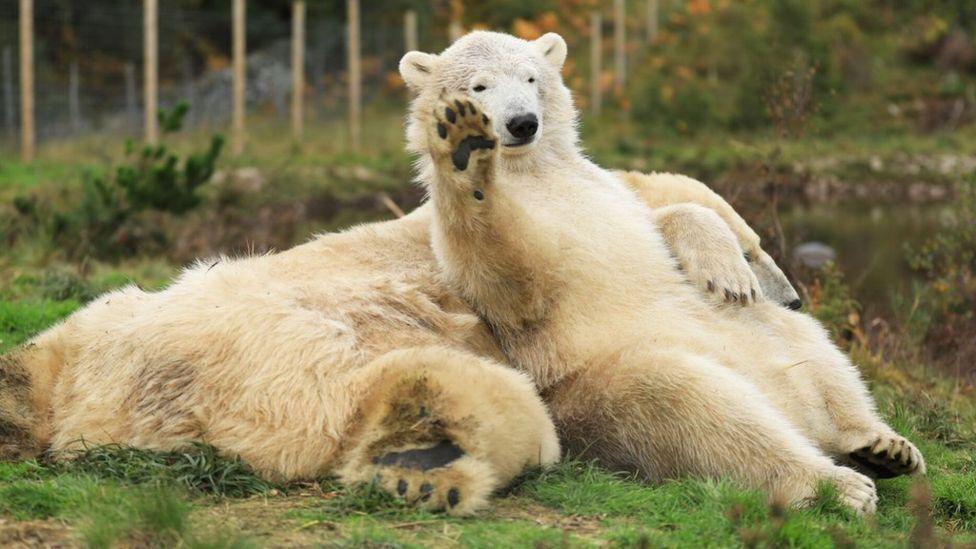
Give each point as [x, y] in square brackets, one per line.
[888, 457]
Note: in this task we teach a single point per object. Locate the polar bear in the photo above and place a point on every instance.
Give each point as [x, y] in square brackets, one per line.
[572, 274]
[344, 356]
[340, 357]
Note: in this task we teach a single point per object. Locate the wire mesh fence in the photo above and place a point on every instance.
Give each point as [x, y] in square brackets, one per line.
[88, 64]
[90, 79]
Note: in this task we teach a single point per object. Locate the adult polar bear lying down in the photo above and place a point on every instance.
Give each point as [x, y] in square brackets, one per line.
[346, 355]
[567, 267]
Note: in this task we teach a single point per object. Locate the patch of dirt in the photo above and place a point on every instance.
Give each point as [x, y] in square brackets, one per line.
[36, 533]
[262, 519]
[519, 509]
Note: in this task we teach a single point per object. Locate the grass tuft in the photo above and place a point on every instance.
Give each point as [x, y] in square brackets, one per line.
[198, 468]
[152, 517]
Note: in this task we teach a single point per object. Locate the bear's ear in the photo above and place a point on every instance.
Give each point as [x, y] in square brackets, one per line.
[553, 48]
[417, 68]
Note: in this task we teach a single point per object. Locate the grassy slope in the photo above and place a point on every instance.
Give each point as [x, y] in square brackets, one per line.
[117, 494]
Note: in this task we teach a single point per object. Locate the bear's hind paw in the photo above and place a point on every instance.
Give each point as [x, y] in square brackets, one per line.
[459, 487]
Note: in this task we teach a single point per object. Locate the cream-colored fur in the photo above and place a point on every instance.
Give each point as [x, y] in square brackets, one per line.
[572, 273]
[316, 361]
[292, 362]
[347, 355]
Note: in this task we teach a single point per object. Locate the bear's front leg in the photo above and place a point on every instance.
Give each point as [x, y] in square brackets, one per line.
[708, 253]
[463, 146]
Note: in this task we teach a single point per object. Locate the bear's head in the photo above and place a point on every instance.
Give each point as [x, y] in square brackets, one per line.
[517, 82]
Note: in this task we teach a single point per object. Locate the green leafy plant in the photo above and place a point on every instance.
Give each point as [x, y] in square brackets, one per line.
[942, 311]
[106, 220]
[155, 179]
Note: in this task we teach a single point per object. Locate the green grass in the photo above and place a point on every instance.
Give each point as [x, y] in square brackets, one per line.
[21, 319]
[111, 495]
[116, 495]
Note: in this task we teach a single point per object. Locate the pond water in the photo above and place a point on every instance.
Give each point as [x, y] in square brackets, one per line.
[871, 242]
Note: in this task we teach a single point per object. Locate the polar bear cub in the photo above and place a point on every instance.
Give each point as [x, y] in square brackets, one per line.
[571, 272]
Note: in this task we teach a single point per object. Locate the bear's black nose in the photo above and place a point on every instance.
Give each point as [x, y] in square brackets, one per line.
[523, 126]
[794, 305]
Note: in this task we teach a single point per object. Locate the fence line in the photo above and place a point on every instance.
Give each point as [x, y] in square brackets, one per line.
[596, 61]
[297, 70]
[410, 31]
[239, 76]
[208, 92]
[27, 139]
[151, 70]
[653, 19]
[619, 43]
[355, 74]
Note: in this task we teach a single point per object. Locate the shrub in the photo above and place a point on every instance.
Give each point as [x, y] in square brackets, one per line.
[942, 312]
[105, 223]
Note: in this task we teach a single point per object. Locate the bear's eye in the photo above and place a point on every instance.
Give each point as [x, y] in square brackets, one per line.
[531, 80]
[479, 88]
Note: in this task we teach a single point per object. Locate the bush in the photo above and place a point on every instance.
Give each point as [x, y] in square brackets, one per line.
[942, 312]
[105, 221]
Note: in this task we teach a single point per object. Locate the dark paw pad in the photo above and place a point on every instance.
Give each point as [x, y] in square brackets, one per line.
[425, 491]
[423, 459]
[461, 156]
[878, 464]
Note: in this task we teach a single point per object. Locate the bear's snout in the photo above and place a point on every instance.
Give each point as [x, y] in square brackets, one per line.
[523, 127]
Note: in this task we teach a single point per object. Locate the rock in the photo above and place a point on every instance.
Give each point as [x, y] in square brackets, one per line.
[813, 254]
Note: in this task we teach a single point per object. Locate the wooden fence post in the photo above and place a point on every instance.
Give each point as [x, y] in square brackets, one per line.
[410, 31]
[596, 61]
[619, 43]
[297, 70]
[354, 74]
[150, 67]
[8, 93]
[455, 28]
[653, 19]
[27, 136]
[237, 124]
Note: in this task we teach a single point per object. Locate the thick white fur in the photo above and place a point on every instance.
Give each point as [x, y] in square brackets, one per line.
[288, 360]
[572, 273]
[302, 363]
[298, 363]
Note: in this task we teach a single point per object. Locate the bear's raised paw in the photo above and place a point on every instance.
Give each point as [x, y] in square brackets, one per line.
[461, 132]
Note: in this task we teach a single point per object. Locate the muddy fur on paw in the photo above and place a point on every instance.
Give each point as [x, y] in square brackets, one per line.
[414, 447]
[888, 456]
[461, 133]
